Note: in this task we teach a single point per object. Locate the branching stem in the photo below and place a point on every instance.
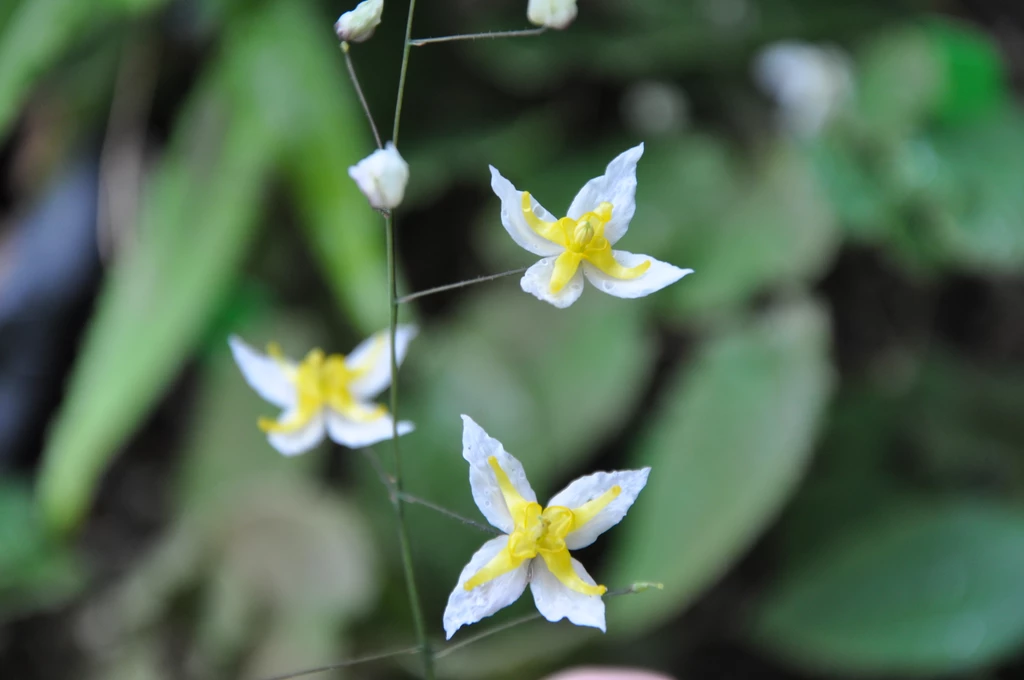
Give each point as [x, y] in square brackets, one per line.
[359, 93]
[524, 33]
[461, 284]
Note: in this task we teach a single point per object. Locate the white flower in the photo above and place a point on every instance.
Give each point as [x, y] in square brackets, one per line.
[358, 24]
[581, 244]
[534, 548]
[809, 83]
[382, 177]
[325, 393]
[551, 13]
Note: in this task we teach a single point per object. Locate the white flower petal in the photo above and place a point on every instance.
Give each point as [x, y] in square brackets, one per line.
[374, 354]
[382, 177]
[515, 223]
[356, 435]
[616, 186]
[469, 606]
[556, 601]
[537, 282]
[592, 486]
[659, 275]
[477, 447]
[300, 441]
[263, 374]
[556, 14]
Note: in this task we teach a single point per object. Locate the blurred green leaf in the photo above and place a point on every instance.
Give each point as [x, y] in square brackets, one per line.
[345, 234]
[978, 169]
[200, 212]
[742, 231]
[975, 80]
[924, 590]
[900, 82]
[726, 450]
[37, 34]
[35, 571]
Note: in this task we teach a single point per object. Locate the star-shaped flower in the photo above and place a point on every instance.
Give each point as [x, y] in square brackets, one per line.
[534, 548]
[325, 393]
[581, 244]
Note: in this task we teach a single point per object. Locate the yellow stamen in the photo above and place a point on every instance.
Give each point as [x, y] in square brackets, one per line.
[540, 532]
[583, 239]
[320, 381]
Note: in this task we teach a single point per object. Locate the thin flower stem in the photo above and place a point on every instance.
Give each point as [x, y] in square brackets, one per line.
[461, 284]
[409, 498]
[403, 534]
[359, 93]
[402, 74]
[526, 32]
[637, 587]
[347, 663]
[487, 633]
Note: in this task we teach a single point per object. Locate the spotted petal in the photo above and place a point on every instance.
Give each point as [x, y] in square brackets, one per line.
[477, 447]
[469, 606]
[616, 186]
[264, 374]
[514, 221]
[556, 601]
[659, 275]
[591, 487]
[537, 282]
[372, 357]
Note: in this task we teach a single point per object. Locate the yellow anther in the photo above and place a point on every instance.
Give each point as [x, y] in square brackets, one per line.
[540, 532]
[583, 239]
[322, 380]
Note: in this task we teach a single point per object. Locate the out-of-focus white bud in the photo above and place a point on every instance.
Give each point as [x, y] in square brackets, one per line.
[809, 83]
[358, 25]
[382, 177]
[551, 13]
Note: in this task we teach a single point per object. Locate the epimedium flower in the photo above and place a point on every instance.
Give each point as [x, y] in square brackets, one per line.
[551, 13]
[534, 546]
[382, 177]
[330, 394]
[358, 25]
[580, 245]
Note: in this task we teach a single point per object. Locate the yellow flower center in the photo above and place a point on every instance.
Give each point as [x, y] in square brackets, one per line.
[583, 239]
[323, 380]
[541, 532]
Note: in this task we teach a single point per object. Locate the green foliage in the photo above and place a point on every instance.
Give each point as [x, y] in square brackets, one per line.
[922, 589]
[35, 571]
[726, 450]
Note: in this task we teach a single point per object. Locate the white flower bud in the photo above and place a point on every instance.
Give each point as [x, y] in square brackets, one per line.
[551, 13]
[358, 25]
[382, 177]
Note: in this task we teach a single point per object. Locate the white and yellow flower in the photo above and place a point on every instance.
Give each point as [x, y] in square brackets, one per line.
[535, 544]
[580, 245]
[330, 394]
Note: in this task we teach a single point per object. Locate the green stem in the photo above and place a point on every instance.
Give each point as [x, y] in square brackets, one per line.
[359, 93]
[420, 42]
[403, 534]
[409, 498]
[346, 664]
[402, 74]
[461, 284]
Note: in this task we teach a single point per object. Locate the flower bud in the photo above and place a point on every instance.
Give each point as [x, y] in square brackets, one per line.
[551, 13]
[358, 24]
[382, 177]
